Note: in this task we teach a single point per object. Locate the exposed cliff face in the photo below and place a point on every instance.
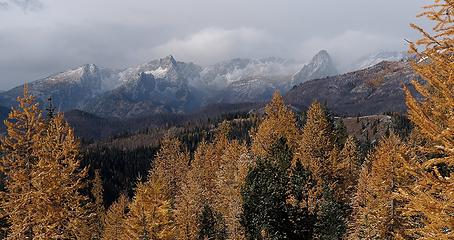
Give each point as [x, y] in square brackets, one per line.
[147, 95]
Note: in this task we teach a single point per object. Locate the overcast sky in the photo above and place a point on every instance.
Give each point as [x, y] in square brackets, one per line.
[40, 37]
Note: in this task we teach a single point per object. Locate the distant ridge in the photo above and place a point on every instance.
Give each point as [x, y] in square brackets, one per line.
[373, 90]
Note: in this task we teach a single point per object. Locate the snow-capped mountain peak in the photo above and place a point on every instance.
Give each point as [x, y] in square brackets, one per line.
[321, 57]
[168, 61]
[164, 68]
[320, 66]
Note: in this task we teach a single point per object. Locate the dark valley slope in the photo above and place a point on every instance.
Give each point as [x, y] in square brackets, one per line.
[374, 90]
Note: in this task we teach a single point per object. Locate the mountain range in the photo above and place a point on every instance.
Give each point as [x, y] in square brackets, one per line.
[169, 86]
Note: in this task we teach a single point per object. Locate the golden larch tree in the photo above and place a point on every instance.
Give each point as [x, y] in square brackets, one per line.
[375, 208]
[433, 116]
[317, 140]
[347, 168]
[235, 163]
[150, 213]
[279, 121]
[171, 164]
[316, 152]
[58, 179]
[200, 187]
[186, 209]
[204, 168]
[115, 219]
[198, 190]
[98, 209]
[358, 225]
[23, 124]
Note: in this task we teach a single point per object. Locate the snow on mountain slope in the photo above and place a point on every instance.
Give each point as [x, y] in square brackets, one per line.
[376, 58]
[158, 73]
[165, 68]
[223, 74]
[245, 80]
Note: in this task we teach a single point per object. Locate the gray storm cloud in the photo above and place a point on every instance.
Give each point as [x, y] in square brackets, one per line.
[4, 5]
[25, 5]
[38, 38]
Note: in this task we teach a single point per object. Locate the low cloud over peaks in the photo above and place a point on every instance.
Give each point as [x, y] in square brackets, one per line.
[351, 45]
[216, 44]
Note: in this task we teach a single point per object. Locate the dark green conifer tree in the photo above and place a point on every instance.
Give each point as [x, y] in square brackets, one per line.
[331, 224]
[268, 210]
[301, 183]
[265, 213]
[211, 225]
